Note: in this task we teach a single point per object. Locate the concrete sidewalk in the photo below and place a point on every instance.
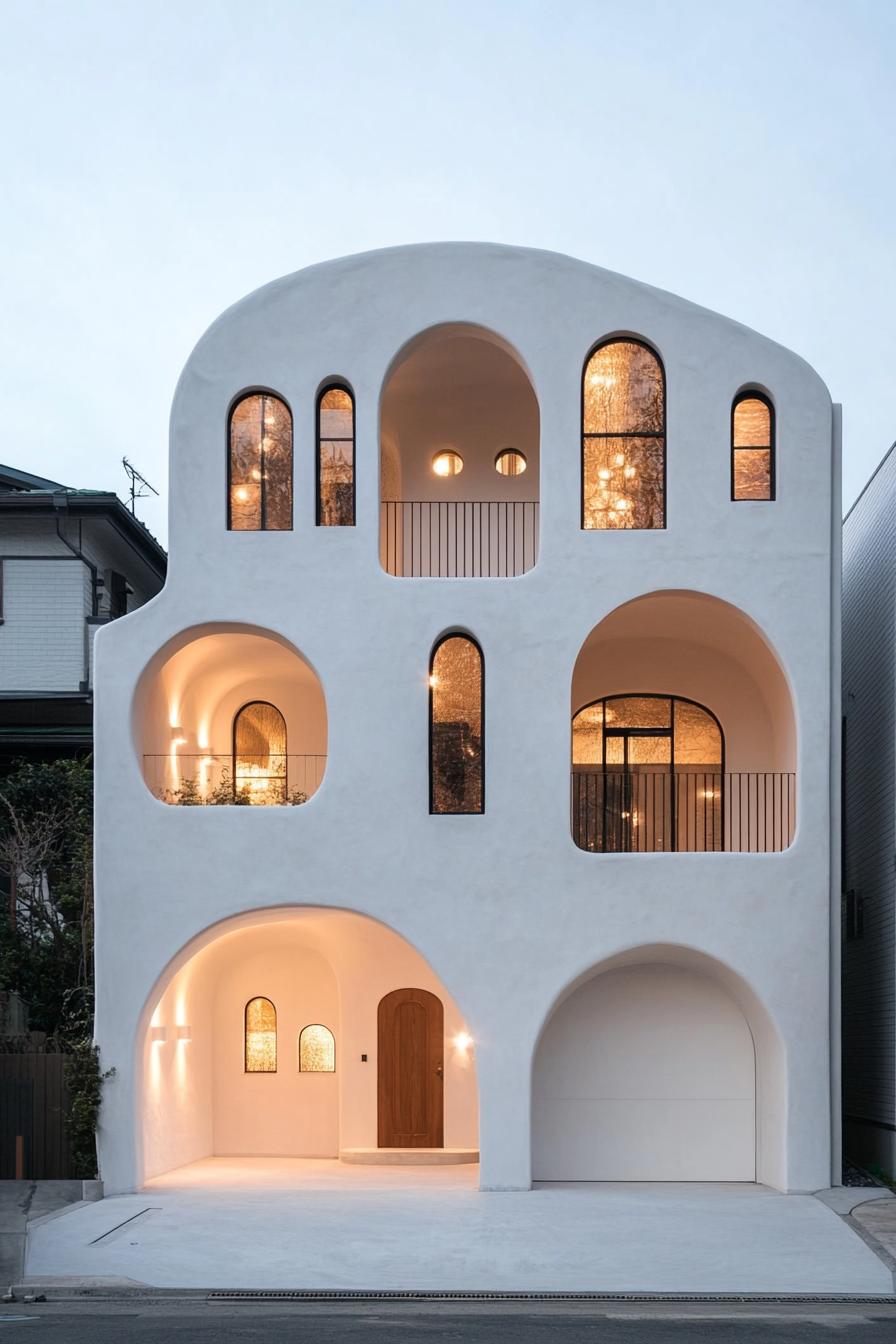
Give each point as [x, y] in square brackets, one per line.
[311, 1224]
[20, 1203]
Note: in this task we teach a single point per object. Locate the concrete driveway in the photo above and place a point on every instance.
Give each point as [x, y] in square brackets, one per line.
[314, 1224]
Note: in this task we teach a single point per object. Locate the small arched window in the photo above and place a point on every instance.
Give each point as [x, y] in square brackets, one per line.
[260, 477]
[259, 754]
[317, 1050]
[336, 458]
[261, 1036]
[752, 447]
[623, 437]
[456, 726]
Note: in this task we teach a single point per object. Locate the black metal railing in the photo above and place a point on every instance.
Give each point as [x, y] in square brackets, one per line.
[458, 539]
[690, 811]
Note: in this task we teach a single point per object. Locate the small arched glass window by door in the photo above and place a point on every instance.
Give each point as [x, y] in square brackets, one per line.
[648, 775]
[456, 726]
[259, 492]
[623, 437]
[259, 754]
[260, 1036]
[752, 447]
[317, 1049]
[336, 458]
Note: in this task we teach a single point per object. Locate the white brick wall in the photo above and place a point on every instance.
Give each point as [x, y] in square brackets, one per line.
[42, 635]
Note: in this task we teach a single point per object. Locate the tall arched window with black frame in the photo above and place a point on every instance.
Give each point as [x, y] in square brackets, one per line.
[752, 447]
[336, 457]
[456, 726]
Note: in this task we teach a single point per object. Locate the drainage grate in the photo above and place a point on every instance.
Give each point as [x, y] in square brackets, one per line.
[118, 1226]
[409, 1295]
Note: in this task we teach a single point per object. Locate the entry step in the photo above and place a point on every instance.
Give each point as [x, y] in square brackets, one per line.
[409, 1157]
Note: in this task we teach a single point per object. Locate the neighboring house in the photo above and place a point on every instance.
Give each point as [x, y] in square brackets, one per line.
[70, 560]
[504, 591]
[869, 809]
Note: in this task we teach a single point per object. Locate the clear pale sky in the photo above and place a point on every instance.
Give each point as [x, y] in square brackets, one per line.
[159, 160]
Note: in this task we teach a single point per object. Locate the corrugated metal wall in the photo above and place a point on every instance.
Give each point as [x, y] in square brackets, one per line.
[869, 708]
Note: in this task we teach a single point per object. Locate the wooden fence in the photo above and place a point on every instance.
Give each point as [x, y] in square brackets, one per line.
[33, 1105]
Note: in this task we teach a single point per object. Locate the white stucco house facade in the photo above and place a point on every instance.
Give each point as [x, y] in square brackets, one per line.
[502, 589]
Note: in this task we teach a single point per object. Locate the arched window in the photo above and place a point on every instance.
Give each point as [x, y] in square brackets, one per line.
[261, 1036]
[259, 754]
[752, 447]
[317, 1050]
[623, 437]
[260, 484]
[456, 724]
[336, 458]
[648, 775]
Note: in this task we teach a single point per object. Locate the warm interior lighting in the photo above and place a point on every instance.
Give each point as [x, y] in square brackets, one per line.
[184, 1033]
[317, 1050]
[447, 463]
[510, 462]
[261, 1036]
[462, 1041]
[433, 680]
[241, 494]
[158, 1035]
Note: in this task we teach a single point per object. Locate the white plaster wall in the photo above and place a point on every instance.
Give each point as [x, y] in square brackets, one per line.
[645, 1073]
[503, 907]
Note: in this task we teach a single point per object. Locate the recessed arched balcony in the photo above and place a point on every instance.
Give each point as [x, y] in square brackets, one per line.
[459, 458]
[230, 715]
[683, 735]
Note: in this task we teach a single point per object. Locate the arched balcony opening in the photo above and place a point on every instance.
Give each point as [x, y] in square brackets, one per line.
[230, 715]
[459, 458]
[683, 734]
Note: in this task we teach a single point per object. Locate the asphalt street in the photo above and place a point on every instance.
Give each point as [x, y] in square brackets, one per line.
[198, 1322]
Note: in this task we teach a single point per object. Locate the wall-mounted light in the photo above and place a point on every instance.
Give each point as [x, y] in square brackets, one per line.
[177, 736]
[462, 1041]
[184, 1033]
[158, 1035]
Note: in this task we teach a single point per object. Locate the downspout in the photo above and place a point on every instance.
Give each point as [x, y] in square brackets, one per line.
[60, 504]
[835, 789]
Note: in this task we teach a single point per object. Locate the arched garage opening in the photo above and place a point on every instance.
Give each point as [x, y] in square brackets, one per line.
[659, 1065]
[228, 1071]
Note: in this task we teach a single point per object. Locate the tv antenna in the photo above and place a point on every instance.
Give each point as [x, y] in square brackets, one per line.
[140, 487]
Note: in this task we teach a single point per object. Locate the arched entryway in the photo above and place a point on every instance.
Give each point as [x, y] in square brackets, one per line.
[652, 1068]
[264, 1040]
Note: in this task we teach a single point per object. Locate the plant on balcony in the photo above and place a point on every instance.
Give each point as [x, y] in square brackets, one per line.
[223, 794]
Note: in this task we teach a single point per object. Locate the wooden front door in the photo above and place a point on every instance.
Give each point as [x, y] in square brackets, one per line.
[410, 1036]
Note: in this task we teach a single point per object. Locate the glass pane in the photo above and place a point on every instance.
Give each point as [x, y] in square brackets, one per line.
[623, 483]
[337, 483]
[317, 1050]
[615, 750]
[261, 1036]
[587, 741]
[639, 711]
[260, 465]
[510, 463]
[649, 750]
[623, 391]
[698, 740]
[456, 682]
[447, 464]
[752, 473]
[752, 424]
[259, 767]
[337, 414]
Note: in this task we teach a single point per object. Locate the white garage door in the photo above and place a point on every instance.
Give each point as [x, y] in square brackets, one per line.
[646, 1073]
